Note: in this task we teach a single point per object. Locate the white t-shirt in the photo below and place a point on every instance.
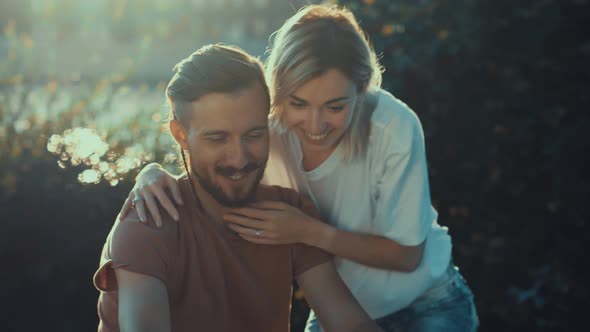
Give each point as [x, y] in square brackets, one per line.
[387, 193]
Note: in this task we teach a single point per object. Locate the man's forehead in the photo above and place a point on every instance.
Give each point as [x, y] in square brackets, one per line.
[230, 112]
[230, 122]
[228, 131]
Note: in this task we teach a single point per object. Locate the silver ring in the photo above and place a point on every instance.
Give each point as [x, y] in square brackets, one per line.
[258, 233]
[137, 199]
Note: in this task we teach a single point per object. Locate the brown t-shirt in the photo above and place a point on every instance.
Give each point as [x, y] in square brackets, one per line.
[216, 281]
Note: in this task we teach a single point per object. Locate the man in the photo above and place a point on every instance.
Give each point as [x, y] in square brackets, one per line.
[196, 274]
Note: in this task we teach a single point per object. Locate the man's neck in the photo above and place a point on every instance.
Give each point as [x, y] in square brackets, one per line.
[208, 204]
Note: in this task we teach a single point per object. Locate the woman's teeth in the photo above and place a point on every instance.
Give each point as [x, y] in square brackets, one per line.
[316, 137]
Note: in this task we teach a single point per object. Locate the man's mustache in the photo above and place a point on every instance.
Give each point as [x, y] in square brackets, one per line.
[229, 171]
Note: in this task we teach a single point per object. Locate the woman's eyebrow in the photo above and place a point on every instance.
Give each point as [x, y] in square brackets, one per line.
[337, 99]
[301, 100]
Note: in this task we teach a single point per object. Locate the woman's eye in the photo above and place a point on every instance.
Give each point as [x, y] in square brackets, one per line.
[337, 108]
[255, 135]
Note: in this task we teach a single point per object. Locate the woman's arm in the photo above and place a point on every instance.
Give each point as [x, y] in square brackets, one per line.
[279, 223]
[367, 249]
[332, 301]
[151, 185]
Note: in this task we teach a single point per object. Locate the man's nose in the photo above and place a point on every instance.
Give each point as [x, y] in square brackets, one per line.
[236, 155]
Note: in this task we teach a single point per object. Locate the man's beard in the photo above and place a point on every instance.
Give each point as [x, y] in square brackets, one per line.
[217, 193]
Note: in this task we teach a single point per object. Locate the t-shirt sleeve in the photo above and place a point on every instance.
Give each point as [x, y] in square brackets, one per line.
[137, 247]
[403, 210]
[305, 257]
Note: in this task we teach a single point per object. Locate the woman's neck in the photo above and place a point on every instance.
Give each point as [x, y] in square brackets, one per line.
[313, 159]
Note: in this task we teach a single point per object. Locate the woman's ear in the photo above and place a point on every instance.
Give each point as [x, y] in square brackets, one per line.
[179, 133]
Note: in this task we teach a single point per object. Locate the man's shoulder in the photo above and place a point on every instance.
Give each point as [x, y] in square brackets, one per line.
[139, 247]
[278, 193]
[286, 195]
[131, 228]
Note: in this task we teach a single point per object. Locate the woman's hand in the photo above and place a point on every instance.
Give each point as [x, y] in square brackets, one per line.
[270, 222]
[151, 184]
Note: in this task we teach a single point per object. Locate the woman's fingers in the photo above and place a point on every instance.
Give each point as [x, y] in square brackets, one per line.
[245, 230]
[253, 213]
[270, 205]
[165, 202]
[175, 190]
[246, 221]
[254, 234]
[126, 207]
[152, 207]
[140, 208]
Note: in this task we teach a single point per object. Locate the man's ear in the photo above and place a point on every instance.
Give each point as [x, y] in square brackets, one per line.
[179, 133]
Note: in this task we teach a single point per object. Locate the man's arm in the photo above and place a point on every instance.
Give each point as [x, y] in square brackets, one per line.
[332, 302]
[143, 302]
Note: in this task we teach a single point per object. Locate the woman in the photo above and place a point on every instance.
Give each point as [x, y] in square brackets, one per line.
[358, 153]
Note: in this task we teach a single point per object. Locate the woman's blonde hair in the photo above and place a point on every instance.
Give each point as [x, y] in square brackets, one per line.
[316, 39]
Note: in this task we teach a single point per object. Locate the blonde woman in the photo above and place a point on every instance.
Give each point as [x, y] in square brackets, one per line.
[358, 153]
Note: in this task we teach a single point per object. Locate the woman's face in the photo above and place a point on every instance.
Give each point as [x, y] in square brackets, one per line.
[320, 111]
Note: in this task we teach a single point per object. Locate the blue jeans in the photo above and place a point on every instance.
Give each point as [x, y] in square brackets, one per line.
[447, 306]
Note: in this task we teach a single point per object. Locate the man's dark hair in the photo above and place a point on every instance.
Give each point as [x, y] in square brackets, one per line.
[213, 68]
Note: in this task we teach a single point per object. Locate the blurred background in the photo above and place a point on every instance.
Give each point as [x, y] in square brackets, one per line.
[501, 88]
